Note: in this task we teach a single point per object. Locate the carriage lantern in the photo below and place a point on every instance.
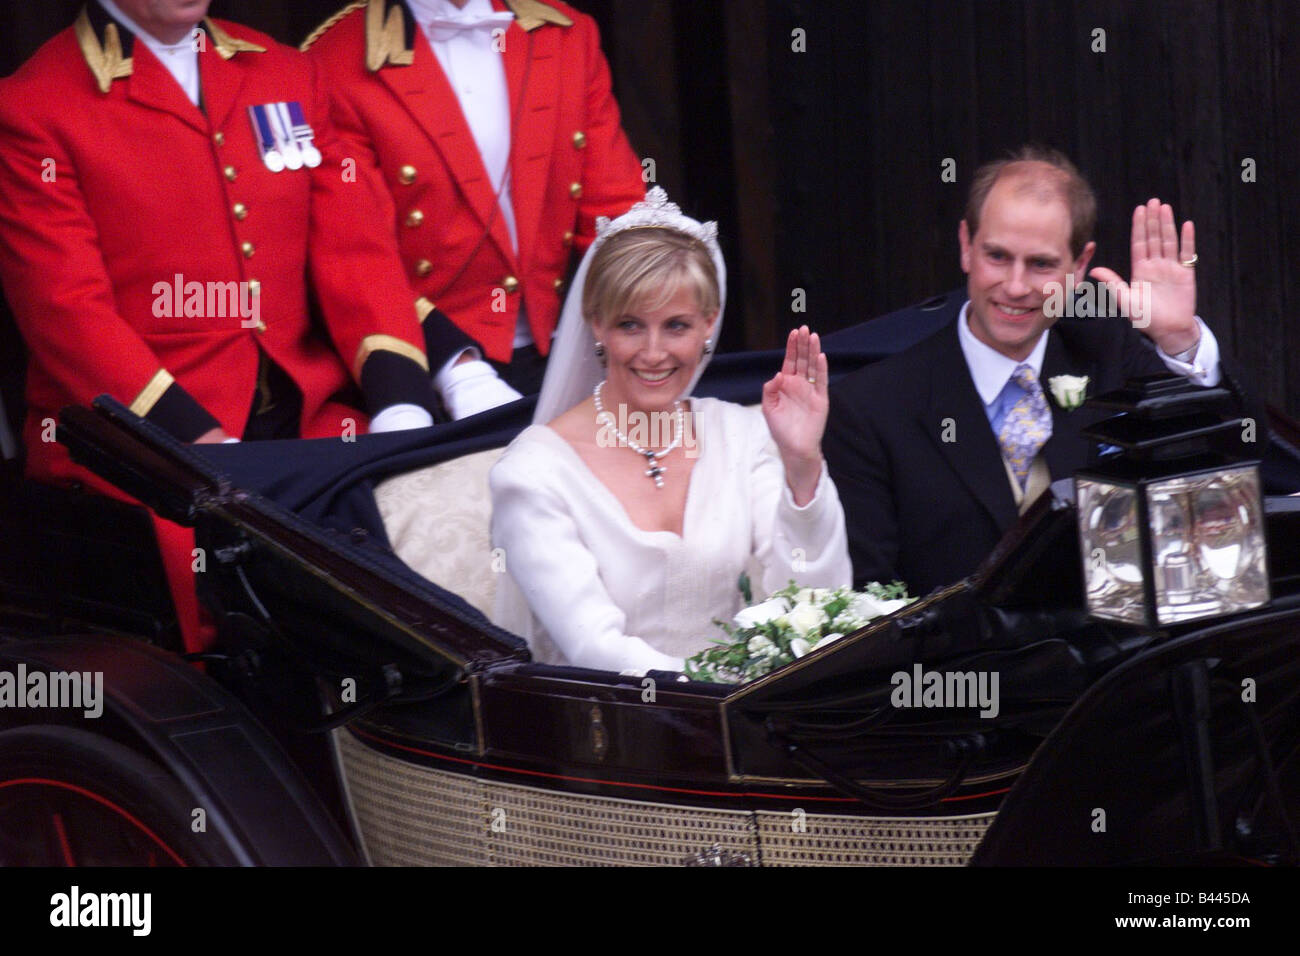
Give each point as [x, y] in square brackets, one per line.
[1171, 520]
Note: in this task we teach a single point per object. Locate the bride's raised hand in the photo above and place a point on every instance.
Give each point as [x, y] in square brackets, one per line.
[795, 404]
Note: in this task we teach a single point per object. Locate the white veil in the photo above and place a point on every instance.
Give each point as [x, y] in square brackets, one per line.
[573, 370]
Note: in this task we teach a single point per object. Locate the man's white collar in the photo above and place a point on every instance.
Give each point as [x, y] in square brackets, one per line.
[989, 368]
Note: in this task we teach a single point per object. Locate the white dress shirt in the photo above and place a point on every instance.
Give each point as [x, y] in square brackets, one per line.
[991, 370]
[471, 60]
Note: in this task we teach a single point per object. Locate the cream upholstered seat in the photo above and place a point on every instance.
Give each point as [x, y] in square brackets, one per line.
[438, 520]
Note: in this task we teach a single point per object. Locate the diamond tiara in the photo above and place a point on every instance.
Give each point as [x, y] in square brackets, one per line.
[657, 211]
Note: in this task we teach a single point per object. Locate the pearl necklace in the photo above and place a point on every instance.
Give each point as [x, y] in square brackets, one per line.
[656, 467]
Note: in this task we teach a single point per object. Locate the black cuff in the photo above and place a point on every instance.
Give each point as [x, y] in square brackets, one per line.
[443, 339]
[391, 379]
[178, 414]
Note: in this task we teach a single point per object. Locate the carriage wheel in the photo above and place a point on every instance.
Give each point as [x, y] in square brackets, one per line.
[72, 798]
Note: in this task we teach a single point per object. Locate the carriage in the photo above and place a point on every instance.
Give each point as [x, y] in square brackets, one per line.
[356, 711]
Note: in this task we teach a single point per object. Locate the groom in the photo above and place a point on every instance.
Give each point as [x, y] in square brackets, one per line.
[937, 450]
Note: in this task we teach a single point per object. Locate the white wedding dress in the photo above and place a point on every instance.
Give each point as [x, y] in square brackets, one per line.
[585, 586]
[600, 592]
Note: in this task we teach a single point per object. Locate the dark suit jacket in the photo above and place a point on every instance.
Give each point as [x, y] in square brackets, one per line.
[928, 510]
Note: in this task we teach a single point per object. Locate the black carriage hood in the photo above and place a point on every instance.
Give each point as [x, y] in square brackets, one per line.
[294, 526]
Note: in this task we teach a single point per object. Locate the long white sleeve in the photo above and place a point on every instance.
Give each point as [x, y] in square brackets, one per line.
[557, 573]
[809, 544]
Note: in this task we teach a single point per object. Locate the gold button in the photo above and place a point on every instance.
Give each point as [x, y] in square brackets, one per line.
[414, 218]
[219, 138]
[247, 248]
[230, 173]
[407, 174]
[558, 284]
[510, 284]
[254, 291]
[423, 267]
[575, 190]
[579, 139]
[240, 210]
[568, 238]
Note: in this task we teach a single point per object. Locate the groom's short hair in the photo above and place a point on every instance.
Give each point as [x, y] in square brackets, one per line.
[1042, 169]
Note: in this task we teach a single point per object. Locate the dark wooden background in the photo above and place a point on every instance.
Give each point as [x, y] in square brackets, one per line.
[823, 167]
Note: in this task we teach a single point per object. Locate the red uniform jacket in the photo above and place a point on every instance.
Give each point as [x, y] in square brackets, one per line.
[569, 159]
[114, 188]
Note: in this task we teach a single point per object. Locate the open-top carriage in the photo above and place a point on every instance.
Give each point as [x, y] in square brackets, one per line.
[356, 711]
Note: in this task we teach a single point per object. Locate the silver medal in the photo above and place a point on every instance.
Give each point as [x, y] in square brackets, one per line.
[292, 155]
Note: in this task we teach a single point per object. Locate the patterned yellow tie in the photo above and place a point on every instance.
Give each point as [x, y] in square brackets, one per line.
[1027, 426]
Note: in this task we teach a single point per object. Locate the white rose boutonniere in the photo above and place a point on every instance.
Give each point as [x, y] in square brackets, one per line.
[1068, 390]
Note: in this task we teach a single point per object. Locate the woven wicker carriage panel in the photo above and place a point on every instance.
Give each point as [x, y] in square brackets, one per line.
[813, 839]
[556, 829]
[413, 815]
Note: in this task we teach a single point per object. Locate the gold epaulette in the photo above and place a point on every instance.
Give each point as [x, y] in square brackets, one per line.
[227, 45]
[105, 59]
[320, 30]
[531, 14]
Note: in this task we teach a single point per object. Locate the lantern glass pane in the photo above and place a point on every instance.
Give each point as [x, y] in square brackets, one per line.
[1207, 537]
[1112, 550]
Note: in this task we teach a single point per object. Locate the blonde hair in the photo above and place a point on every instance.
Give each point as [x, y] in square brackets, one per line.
[643, 268]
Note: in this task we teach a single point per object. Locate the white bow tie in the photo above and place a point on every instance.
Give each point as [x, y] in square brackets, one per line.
[445, 28]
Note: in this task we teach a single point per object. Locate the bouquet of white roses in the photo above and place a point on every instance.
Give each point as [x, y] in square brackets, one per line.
[789, 624]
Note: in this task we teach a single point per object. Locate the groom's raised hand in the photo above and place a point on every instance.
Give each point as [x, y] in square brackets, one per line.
[1161, 299]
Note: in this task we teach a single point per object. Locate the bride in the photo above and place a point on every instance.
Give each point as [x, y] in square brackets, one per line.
[628, 510]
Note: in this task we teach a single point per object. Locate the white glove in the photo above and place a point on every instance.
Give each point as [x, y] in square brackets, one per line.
[399, 417]
[472, 387]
